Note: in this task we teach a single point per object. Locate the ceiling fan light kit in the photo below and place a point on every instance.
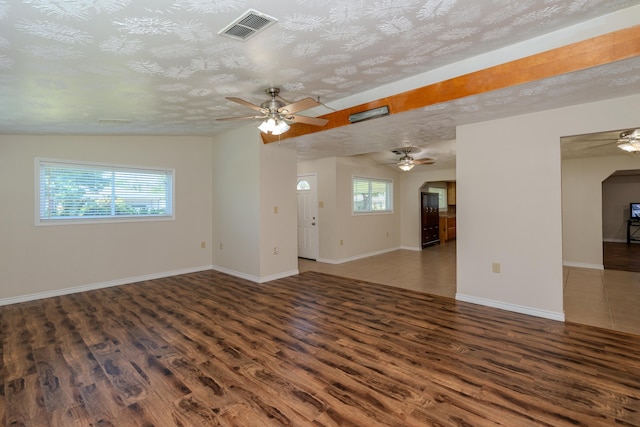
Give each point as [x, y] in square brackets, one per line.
[406, 164]
[274, 126]
[630, 141]
[276, 113]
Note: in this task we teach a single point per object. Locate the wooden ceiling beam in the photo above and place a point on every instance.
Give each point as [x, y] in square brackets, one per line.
[600, 50]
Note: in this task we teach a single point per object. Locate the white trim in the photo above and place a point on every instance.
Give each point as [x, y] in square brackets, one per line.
[100, 285]
[390, 196]
[511, 307]
[357, 257]
[411, 248]
[235, 273]
[252, 278]
[279, 276]
[583, 265]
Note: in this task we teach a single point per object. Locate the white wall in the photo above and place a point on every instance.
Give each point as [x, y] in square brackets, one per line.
[582, 204]
[617, 193]
[236, 203]
[278, 172]
[55, 259]
[509, 203]
[361, 235]
[249, 181]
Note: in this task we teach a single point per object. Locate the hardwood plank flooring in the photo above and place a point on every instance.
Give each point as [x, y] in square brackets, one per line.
[208, 349]
[621, 256]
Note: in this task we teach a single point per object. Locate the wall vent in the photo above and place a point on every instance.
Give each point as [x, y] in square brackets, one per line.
[247, 25]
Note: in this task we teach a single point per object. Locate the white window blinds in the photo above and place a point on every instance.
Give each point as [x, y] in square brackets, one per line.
[372, 195]
[69, 191]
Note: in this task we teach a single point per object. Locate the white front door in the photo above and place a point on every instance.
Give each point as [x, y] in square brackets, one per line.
[307, 216]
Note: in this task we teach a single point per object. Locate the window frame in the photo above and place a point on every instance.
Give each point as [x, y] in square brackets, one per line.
[40, 162]
[389, 197]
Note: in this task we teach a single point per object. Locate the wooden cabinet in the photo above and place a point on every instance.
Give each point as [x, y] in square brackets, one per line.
[451, 228]
[451, 193]
[430, 219]
[447, 228]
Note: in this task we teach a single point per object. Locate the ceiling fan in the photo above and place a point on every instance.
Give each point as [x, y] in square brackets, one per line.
[406, 162]
[628, 140]
[277, 111]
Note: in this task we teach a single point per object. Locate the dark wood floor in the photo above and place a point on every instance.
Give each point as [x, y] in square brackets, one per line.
[621, 256]
[208, 349]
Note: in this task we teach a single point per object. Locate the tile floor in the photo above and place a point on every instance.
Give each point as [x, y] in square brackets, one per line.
[604, 298]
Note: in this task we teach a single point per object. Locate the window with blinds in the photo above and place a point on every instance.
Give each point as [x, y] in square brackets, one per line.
[85, 192]
[372, 195]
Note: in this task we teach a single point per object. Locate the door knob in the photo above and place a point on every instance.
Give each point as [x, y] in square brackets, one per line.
[313, 223]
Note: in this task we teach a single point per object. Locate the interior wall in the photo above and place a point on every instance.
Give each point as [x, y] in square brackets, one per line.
[344, 236]
[236, 207]
[364, 234]
[37, 260]
[410, 184]
[582, 205]
[510, 207]
[618, 192]
[278, 212]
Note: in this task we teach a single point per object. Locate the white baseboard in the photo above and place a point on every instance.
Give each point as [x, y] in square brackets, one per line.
[252, 278]
[411, 248]
[357, 257]
[583, 265]
[511, 307]
[235, 273]
[100, 285]
[614, 240]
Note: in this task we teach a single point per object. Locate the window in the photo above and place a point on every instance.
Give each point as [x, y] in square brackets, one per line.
[88, 192]
[372, 195]
[303, 185]
[442, 196]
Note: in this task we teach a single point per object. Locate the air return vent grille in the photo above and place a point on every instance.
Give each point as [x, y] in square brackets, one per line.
[248, 25]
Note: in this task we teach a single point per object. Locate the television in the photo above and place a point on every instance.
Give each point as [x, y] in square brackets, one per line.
[634, 211]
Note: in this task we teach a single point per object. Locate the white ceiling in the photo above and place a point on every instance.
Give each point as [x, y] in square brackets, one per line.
[65, 65]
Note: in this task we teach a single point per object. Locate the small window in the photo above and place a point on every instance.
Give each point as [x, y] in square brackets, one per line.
[303, 185]
[372, 195]
[69, 192]
[442, 196]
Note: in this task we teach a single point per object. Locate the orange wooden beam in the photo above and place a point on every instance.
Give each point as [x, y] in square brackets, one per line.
[600, 50]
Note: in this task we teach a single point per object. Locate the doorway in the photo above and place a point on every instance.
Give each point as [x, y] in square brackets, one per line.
[445, 212]
[308, 242]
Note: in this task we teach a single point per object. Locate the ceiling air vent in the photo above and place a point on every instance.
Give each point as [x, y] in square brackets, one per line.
[248, 25]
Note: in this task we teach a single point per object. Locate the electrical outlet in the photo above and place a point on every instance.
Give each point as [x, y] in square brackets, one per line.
[341, 242]
[220, 246]
[276, 250]
[275, 209]
[203, 245]
[495, 267]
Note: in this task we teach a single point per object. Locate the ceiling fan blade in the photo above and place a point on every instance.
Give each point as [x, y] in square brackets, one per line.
[240, 118]
[247, 104]
[303, 104]
[425, 161]
[306, 119]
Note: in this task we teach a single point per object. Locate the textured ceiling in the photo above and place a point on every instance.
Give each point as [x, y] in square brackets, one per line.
[66, 65]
